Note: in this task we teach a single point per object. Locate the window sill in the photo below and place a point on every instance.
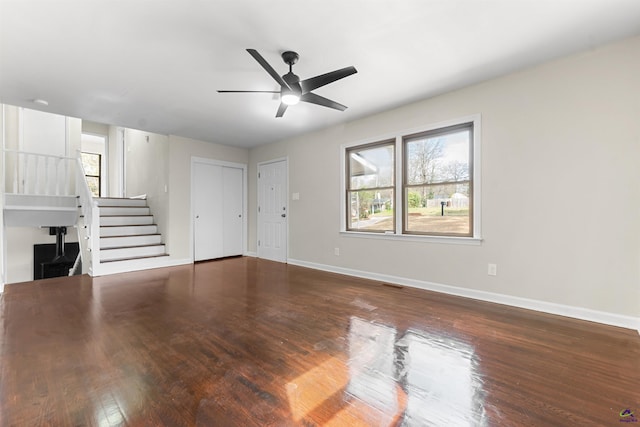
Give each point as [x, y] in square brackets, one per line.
[472, 241]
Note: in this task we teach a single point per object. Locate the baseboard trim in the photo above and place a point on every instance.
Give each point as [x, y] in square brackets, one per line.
[1, 287]
[251, 254]
[581, 313]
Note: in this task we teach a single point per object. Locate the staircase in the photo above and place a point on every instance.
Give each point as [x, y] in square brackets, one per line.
[127, 231]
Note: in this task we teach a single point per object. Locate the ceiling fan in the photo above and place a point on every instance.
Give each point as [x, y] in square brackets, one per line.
[292, 89]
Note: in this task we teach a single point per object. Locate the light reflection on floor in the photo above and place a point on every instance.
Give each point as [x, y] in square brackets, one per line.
[418, 379]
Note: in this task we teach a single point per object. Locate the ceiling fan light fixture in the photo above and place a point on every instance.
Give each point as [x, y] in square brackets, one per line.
[292, 89]
[290, 98]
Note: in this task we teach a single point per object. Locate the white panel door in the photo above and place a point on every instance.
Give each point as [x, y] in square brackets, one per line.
[272, 211]
[232, 208]
[208, 218]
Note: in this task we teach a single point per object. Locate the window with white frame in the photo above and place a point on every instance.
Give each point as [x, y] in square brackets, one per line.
[435, 192]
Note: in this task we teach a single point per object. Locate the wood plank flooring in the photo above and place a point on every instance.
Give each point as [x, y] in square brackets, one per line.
[250, 342]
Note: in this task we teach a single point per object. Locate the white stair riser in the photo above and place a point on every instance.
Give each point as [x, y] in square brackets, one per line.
[128, 230]
[116, 242]
[124, 211]
[126, 220]
[121, 202]
[142, 251]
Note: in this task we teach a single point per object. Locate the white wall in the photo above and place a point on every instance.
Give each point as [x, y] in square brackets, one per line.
[2, 171]
[115, 163]
[147, 172]
[95, 128]
[555, 139]
[181, 150]
[20, 240]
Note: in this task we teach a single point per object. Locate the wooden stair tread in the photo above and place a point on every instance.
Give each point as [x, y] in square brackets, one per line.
[115, 198]
[132, 235]
[124, 206]
[131, 225]
[135, 246]
[133, 258]
[127, 215]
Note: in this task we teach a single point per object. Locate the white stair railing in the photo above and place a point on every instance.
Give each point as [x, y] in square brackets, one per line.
[38, 174]
[88, 222]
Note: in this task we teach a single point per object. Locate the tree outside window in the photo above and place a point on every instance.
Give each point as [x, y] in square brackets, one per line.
[435, 195]
[438, 186]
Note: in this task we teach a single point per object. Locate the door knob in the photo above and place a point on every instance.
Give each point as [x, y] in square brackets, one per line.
[283, 215]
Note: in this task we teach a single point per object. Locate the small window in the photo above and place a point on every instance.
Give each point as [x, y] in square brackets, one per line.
[92, 164]
[438, 190]
[370, 187]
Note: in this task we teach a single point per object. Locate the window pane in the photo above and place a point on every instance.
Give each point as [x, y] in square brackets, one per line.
[91, 163]
[371, 210]
[439, 209]
[371, 167]
[94, 185]
[438, 158]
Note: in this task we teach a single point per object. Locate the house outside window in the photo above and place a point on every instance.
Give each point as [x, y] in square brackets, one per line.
[438, 185]
[370, 195]
[421, 184]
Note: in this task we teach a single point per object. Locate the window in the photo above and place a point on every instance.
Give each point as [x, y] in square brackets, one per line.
[370, 187]
[421, 184]
[437, 182]
[92, 164]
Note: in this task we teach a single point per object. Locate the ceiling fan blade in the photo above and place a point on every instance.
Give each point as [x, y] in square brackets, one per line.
[324, 79]
[268, 67]
[248, 91]
[320, 100]
[281, 109]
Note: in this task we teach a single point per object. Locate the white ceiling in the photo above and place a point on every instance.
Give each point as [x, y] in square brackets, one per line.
[155, 65]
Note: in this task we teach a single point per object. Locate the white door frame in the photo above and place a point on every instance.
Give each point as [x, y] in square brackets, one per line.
[215, 162]
[286, 164]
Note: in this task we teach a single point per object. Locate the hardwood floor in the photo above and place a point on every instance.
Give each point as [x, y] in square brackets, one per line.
[250, 342]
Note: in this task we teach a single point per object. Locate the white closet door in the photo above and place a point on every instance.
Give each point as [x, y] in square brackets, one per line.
[232, 196]
[208, 217]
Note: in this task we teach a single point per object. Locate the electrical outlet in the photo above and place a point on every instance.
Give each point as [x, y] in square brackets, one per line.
[336, 251]
[492, 270]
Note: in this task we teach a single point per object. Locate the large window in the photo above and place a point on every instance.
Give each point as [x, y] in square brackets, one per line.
[422, 183]
[437, 182]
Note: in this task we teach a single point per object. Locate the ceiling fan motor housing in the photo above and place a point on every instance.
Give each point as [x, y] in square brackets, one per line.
[293, 81]
[290, 57]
